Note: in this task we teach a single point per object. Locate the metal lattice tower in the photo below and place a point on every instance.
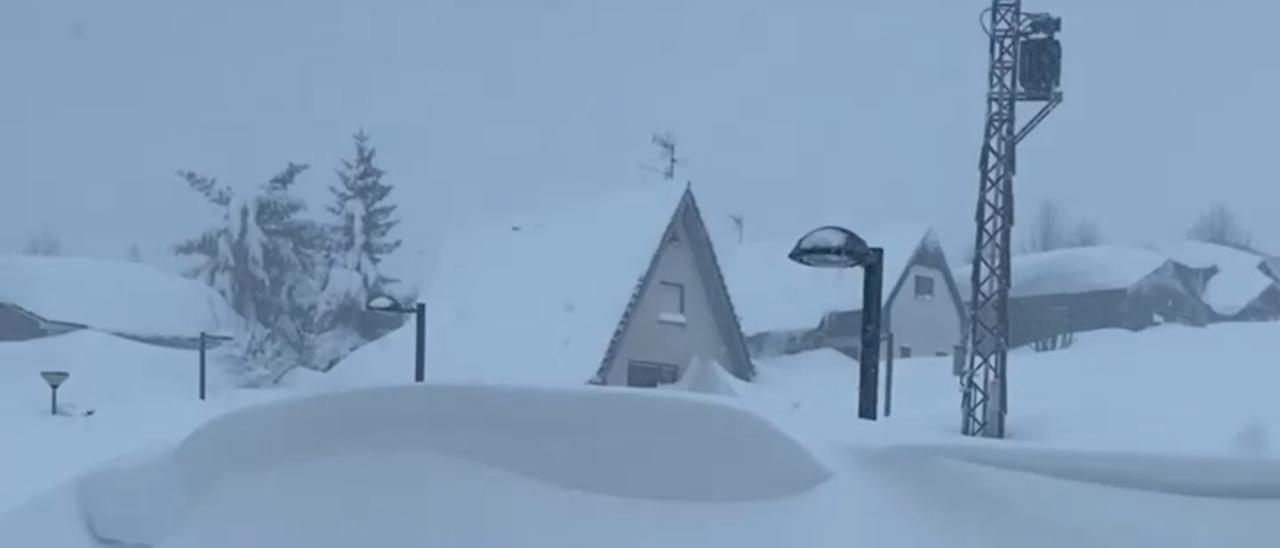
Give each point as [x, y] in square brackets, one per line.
[1025, 63]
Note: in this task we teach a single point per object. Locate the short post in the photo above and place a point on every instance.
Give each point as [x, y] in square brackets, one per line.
[888, 375]
[203, 339]
[204, 344]
[420, 350]
[54, 379]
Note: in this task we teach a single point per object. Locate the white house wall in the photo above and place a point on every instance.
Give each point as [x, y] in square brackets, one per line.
[650, 337]
[929, 326]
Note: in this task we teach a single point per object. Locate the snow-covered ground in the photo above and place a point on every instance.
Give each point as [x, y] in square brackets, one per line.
[1171, 389]
[1120, 431]
[137, 395]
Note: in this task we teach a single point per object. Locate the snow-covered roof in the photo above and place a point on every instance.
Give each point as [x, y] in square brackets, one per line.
[1075, 270]
[534, 300]
[770, 292]
[1239, 279]
[115, 296]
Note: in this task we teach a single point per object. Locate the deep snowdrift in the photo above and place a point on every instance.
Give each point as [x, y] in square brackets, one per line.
[114, 296]
[138, 394]
[1171, 389]
[1220, 477]
[614, 442]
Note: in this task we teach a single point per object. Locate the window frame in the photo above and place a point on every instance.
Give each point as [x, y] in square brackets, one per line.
[660, 372]
[680, 298]
[916, 287]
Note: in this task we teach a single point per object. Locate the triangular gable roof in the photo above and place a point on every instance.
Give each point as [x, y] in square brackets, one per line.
[773, 293]
[688, 215]
[537, 300]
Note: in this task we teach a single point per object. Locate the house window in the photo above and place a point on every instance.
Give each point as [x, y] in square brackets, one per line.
[650, 374]
[671, 303]
[924, 287]
[904, 352]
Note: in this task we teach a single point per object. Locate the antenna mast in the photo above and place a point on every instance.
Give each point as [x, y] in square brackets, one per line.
[1025, 66]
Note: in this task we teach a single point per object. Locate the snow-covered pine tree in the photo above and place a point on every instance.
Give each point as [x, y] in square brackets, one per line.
[364, 221]
[360, 240]
[264, 260]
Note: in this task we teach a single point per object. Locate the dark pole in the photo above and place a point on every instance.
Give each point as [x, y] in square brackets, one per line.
[202, 343]
[869, 363]
[53, 406]
[888, 376]
[420, 356]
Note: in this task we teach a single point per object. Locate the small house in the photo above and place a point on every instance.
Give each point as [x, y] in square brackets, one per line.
[1241, 286]
[44, 296]
[20, 324]
[1099, 287]
[623, 289]
[788, 308]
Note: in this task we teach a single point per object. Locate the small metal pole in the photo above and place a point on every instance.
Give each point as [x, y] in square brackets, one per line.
[53, 406]
[202, 366]
[888, 377]
[420, 355]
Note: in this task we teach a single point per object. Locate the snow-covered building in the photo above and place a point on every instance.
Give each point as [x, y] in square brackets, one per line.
[42, 296]
[789, 308]
[1098, 287]
[624, 289]
[1242, 286]
[20, 324]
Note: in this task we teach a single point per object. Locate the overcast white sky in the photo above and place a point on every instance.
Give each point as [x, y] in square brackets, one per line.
[477, 107]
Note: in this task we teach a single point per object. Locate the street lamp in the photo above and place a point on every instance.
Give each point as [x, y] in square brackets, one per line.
[383, 303]
[204, 342]
[836, 247]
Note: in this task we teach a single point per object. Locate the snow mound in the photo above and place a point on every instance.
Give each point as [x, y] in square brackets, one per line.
[115, 296]
[614, 442]
[1202, 476]
[706, 377]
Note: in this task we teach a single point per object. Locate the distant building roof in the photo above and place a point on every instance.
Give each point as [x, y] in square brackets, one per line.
[1074, 270]
[115, 296]
[1240, 278]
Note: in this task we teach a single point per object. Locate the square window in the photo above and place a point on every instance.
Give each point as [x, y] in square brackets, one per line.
[650, 374]
[924, 287]
[671, 297]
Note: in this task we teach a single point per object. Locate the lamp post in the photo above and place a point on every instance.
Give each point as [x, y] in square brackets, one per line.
[204, 342]
[383, 303]
[836, 247]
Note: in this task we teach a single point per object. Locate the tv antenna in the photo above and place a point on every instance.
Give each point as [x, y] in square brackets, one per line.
[666, 144]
